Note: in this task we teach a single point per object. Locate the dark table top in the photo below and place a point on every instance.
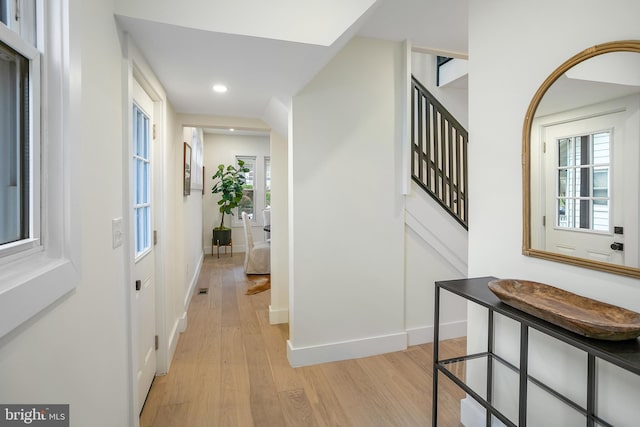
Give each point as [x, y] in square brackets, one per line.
[625, 354]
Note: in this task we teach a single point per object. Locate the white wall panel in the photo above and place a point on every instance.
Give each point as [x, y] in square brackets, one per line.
[513, 47]
[348, 212]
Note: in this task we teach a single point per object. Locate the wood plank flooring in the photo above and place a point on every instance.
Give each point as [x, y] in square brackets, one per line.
[230, 369]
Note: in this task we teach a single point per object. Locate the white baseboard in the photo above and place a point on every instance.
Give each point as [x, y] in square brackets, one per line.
[179, 326]
[304, 356]
[472, 414]
[193, 282]
[277, 316]
[449, 330]
[182, 323]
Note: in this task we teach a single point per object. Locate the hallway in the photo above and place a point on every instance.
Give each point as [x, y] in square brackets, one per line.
[230, 369]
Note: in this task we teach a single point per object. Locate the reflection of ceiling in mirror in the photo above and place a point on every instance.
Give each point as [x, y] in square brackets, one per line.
[598, 79]
[615, 67]
[567, 94]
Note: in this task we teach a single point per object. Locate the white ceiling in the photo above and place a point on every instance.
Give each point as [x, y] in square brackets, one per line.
[188, 61]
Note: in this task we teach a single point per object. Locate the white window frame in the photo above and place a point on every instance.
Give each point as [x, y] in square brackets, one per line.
[147, 203]
[254, 160]
[35, 275]
[259, 189]
[572, 171]
[267, 160]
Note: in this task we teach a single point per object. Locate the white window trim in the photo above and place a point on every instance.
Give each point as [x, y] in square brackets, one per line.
[591, 198]
[264, 184]
[138, 256]
[32, 280]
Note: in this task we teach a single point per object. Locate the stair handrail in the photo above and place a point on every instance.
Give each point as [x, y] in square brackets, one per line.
[439, 153]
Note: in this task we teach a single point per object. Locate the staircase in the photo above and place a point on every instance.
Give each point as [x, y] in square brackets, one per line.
[439, 153]
[436, 242]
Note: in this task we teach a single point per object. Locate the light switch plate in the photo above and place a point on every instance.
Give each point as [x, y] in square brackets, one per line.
[117, 233]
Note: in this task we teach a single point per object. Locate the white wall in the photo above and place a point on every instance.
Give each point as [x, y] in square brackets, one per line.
[184, 232]
[531, 40]
[435, 249]
[347, 296]
[279, 308]
[76, 351]
[223, 149]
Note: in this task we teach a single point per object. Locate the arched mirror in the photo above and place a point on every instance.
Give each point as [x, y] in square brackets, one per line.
[581, 162]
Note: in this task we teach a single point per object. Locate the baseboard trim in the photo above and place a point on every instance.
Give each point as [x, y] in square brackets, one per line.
[182, 323]
[277, 316]
[304, 356]
[194, 282]
[179, 326]
[448, 331]
[472, 414]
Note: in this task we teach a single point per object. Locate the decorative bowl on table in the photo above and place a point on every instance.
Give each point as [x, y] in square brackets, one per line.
[582, 315]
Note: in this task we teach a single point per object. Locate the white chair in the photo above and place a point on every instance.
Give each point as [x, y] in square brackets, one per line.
[257, 257]
[266, 219]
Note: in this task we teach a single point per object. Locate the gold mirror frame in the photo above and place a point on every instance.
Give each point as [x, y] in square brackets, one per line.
[527, 250]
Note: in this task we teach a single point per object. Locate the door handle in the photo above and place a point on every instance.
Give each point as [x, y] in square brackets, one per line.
[617, 246]
[138, 285]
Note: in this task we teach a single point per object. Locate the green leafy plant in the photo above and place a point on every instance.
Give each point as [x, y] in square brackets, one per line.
[229, 182]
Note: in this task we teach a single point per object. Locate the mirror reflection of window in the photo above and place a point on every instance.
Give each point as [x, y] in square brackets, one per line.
[583, 196]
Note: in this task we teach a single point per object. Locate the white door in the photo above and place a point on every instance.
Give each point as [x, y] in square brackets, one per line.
[585, 184]
[144, 321]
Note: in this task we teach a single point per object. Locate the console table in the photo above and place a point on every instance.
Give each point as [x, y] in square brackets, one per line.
[625, 354]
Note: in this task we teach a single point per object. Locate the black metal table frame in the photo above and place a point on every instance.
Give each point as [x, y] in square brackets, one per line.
[625, 354]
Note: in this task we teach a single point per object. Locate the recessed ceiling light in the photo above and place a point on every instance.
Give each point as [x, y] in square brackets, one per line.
[231, 129]
[220, 88]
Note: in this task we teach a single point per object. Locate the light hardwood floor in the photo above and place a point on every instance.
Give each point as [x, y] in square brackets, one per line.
[230, 369]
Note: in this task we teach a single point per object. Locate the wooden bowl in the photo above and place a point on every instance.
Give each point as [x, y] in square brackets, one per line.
[584, 316]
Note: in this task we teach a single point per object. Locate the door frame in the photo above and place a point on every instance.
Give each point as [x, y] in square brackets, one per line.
[614, 124]
[134, 67]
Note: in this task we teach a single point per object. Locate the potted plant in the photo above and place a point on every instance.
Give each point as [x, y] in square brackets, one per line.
[229, 182]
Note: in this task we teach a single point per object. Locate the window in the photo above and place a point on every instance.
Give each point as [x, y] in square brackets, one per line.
[14, 146]
[583, 198]
[33, 272]
[267, 182]
[19, 128]
[4, 12]
[248, 194]
[141, 182]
